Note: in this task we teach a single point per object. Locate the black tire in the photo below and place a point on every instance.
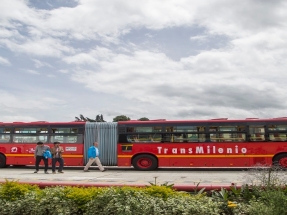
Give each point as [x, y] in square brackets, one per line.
[2, 161]
[145, 162]
[280, 160]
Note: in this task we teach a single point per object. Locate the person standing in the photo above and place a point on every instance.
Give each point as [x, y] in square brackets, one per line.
[93, 155]
[38, 155]
[57, 152]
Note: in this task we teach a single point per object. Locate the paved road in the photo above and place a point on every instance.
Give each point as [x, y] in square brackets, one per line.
[120, 176]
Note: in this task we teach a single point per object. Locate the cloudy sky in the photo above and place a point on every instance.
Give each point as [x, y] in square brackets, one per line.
[174, 59]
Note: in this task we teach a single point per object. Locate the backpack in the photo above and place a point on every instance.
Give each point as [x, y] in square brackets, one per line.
[47, 154]
[92, 152]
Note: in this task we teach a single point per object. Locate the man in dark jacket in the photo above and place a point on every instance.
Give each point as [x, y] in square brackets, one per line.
[57, 152]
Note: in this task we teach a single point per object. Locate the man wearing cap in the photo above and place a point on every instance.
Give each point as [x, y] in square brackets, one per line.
[57, 152]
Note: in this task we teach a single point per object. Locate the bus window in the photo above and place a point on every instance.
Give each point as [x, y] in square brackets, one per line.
[169, 129]
[30, 135]
[4, 138]
[214, 137]
[144, 129]
[186, 129]
[67, 138]
[166, 138]
[130, 129]
[5, 135]
[66, 135]
[30, 130]
[227, 133]
[179, 138]
[277, 127]
[21, 138]
[257, 133]
[65, 130]
[144, 138]
[238, 137]
[277, 137]
[227, 137]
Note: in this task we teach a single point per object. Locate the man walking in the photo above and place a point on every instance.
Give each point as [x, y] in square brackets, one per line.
[93, 155]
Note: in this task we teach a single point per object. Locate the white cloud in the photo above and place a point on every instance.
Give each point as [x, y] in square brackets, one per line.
[95, 44]
[200, 37]
[40, 47]
[32, 72]
[39, 64]
[12, 102]
[63, 71]
[4, 61]
[81, 58]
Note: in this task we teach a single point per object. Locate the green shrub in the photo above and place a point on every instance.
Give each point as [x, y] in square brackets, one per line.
[23, 199]
[53, 200]
[22, 206]
[80, 196]
[275, 199]
[163, 192]
[13, 190]
[255, 207]
[116, 200]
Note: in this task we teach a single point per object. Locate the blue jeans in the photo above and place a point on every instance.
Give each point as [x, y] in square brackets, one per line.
[61, 162]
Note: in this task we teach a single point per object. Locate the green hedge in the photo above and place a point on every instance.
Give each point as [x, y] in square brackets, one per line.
[22, 199]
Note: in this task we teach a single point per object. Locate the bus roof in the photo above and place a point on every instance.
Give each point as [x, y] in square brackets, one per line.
[280, 119]
[38, 123]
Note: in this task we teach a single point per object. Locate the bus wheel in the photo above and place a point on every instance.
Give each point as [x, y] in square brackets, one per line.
[145, 162]
[281, 160]
[2, 161]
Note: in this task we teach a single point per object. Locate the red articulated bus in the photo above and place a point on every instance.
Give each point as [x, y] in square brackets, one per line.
[147, 145]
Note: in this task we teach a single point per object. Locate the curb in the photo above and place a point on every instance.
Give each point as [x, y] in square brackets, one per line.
[175, 186]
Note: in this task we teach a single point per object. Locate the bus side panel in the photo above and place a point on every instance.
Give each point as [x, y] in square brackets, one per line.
[73, 155]
[23, 154]
[123, 161]
[124, 154]
[17, 155]
[164, 162]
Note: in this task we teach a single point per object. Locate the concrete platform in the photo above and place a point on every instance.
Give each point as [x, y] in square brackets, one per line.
[182, 179]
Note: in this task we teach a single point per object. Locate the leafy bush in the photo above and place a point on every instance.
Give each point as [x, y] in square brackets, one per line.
[117, 201]
[80, 196]
[12, 190]
[163, 192]
[23, 199]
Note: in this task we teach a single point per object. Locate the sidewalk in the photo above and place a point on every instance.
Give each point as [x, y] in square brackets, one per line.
[182, 180]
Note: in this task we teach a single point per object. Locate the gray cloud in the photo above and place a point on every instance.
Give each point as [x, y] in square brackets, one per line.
[201, 60]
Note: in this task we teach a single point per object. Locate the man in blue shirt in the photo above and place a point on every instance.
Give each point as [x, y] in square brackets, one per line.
[93, 155]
